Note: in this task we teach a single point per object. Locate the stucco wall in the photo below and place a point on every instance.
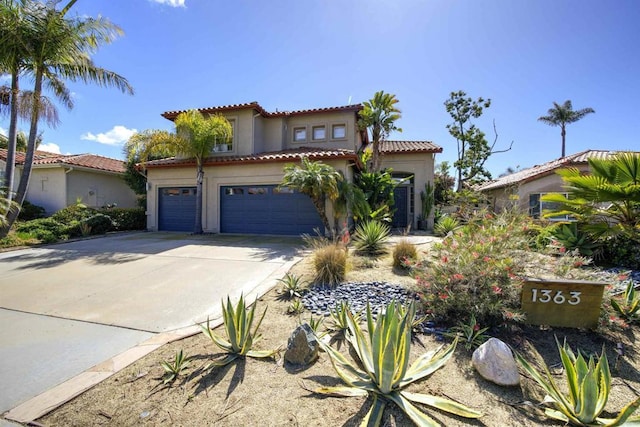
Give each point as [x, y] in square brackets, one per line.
[519, 194]
[97, 189]
[327, 120]
[47, 188]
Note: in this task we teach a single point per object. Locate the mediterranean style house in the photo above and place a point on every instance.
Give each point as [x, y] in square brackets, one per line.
[525, 187]
[59, 180]
[240, 188]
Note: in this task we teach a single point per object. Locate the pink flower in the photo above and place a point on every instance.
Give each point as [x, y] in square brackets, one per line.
[445, 259]
[443, 296]
[476, 327]
[475, 255]
[496, 289]
[563, 250]
[457, 276]
[577, 264]
[486, 259]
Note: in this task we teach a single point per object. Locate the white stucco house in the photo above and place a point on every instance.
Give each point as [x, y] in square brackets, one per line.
[240, 188]
[59, 180]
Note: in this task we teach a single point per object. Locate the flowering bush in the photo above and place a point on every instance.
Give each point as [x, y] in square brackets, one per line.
[476, 271]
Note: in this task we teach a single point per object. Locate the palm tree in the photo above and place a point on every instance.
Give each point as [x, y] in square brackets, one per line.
[317, 180]
[561, 115]
[55, 48]
[379, 116]
[195, 137]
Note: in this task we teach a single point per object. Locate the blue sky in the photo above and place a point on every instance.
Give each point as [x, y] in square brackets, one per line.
[289, 55]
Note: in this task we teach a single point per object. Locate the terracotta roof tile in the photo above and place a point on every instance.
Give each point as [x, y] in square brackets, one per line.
[538, 171]
[90, 161]
[269, 157]
[255, 106]
[399, 147]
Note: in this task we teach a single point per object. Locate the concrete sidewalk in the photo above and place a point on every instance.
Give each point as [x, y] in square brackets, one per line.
[74, 305]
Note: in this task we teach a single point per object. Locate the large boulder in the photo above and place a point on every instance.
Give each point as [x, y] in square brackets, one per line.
[495, 362]
[302, 348]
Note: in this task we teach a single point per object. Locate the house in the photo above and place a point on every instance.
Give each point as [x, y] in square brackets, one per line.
[59, 180]
[240, 188]
[525, 187]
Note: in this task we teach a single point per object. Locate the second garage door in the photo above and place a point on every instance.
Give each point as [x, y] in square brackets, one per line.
[266, 209]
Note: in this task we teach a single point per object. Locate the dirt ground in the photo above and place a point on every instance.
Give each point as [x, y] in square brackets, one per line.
[255, 392]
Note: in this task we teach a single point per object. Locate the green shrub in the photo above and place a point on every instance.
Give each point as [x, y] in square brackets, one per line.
[622, 251]
[330, 263]
[370, 237]
[127, 219]
[47, 230]
[29, 211]
[571, 237]
[73, 213]
[445, 225]
[99, 223]
[404, 254]
[473, 271]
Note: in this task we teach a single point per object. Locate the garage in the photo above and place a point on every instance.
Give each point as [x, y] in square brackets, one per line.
[266, 209]
[176, 208]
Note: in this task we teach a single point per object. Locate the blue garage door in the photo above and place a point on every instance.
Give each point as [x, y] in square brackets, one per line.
[265, 209]
[176, 208]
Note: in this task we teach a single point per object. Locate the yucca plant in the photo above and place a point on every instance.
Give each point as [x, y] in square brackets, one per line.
[238, 321]
[383, 370]
[589, 384]
[370, 237]
[629, 306]
[445, 225]
[291, 286]
[173, 369]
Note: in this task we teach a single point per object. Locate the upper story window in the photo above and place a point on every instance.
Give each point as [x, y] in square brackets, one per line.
[538, 207]
[338, 132]
[222, 146]
[319, 133]
[299, 134]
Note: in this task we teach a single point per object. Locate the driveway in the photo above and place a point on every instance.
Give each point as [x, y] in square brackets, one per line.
[65, 308]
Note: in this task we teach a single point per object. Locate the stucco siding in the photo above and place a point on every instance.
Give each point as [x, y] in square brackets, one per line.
[47, 188]
[308, 122]
[96, 189]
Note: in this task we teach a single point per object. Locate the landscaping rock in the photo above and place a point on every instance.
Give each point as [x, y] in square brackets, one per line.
[302, 348]
[494, 361]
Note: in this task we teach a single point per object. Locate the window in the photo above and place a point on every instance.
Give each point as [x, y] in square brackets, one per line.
[256, 191]
[234, 191]
[338, 132]
[319, 133]
[299, 134]
[537, 208]
[283, 190]
[224, 145]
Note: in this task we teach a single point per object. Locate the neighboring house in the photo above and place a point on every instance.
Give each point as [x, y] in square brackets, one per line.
[525, 187]
[240, 189]
[59, 180]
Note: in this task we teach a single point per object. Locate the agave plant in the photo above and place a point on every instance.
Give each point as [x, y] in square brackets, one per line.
[589, 384]
[291, 286]
[629, 306]
[173, 369]
[370, 238]
[446, 225]
[339, 323]
[295, 307]
[472, 334]
[238, 321]
[383, 370]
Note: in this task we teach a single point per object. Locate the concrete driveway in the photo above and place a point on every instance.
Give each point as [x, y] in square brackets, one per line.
[65, 308]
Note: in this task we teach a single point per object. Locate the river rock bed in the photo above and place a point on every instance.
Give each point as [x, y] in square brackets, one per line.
[320, 300]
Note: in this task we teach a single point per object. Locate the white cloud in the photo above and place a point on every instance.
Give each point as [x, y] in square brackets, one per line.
[118, 135]
[172, 3]
[50, 147]
[4, 131]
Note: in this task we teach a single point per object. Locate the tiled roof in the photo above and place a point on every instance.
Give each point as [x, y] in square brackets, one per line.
[399, 147]
[274, 156]
[538, 171]
[255, 106]
[90, 161]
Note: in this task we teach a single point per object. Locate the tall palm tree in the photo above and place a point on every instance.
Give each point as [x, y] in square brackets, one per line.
[561, 115]
[58, 48]
[317, 180]
[195, 137]
[379, 115]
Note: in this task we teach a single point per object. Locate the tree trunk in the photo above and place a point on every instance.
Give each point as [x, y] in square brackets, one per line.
[322, 211]
[563, 132]
[12, 216]
[12, 137]
[197, 228]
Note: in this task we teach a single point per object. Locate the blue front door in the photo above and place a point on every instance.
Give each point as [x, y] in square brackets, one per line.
[401, 202]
